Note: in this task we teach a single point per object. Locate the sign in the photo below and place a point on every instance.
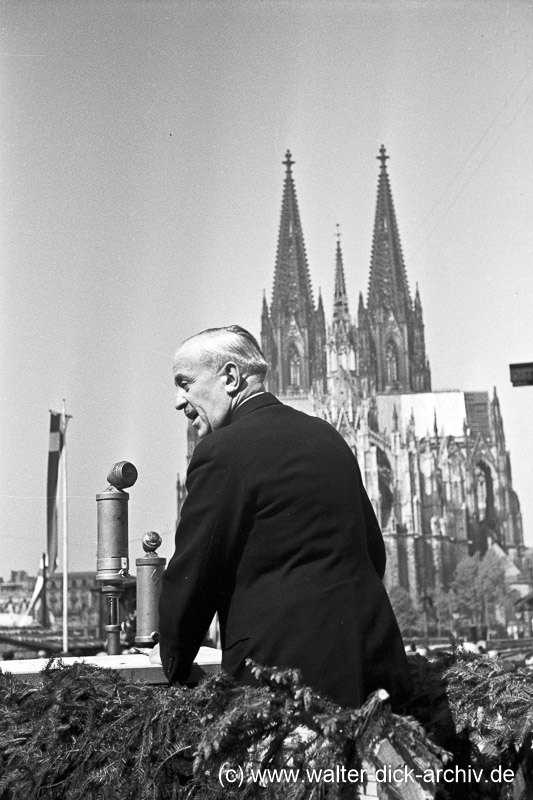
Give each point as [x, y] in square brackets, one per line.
[522, 374]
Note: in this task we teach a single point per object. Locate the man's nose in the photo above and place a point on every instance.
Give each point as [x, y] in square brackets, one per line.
[181, 400]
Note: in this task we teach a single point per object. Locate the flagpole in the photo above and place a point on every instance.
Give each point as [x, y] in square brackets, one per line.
[64, 420]
[44, 609]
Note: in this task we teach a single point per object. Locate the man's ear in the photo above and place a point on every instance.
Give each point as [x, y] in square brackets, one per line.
[233, 376]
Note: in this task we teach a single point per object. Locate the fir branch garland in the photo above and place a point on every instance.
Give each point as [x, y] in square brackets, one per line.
[87, 733]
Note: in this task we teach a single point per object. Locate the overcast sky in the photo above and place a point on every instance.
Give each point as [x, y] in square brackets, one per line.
[141, 147]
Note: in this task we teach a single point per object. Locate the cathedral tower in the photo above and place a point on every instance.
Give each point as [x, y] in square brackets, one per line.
[435, 465]
[293, 332]
[341, 342]
[339, 407]
[392, 327]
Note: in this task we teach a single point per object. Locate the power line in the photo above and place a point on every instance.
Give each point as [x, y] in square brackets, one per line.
[465, 162]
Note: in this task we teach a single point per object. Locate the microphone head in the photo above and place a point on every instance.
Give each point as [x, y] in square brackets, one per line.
[151, 541]
[122, 475]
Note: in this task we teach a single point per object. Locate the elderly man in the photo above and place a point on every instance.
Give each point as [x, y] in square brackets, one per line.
[276, 534]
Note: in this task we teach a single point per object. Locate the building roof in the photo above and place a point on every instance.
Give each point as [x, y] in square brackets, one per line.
[444, 410]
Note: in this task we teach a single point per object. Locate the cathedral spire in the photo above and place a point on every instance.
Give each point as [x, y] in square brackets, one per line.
[292, 284]
[264, 309]
[293, 335]
[341, 345]
[341, 311]
[388, 288]
[393, 347]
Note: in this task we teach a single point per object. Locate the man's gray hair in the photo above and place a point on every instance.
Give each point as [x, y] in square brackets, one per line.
[231, 343]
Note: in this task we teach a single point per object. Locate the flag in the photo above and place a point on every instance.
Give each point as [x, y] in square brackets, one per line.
[57, 438]
[49, 559]
[26, 618]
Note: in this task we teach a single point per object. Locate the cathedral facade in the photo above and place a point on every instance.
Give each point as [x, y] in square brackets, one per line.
[434, 463]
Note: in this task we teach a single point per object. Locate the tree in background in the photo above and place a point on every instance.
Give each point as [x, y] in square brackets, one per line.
[407, 614]
[465, 589]
[446, 612]
[493, 587]
[477, 595]
[477, 600]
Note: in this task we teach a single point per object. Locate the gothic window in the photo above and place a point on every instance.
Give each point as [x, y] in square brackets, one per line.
[391, 363]
[481, 490]
[295, 370]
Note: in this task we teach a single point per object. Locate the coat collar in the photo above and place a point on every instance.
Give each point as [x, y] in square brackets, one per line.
[252, 404]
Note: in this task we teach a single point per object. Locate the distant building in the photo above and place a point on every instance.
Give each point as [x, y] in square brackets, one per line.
[86, 603]
[15, 594]
[434, 463]
[83, 600]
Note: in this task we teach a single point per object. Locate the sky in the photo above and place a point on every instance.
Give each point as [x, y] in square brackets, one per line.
[141, 148]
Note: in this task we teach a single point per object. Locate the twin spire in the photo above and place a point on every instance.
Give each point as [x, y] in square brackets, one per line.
[393, 331]
[388, 287]
[292, 283]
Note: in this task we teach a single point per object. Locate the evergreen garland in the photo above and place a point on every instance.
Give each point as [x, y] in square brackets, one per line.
[85, 733]
[483, 713]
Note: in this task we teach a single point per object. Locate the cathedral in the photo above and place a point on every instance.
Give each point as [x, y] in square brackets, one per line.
[434, 463]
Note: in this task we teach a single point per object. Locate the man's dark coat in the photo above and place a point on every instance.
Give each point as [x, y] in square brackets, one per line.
[278, 536]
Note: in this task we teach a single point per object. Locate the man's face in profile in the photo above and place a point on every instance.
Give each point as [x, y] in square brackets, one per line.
[200, 390]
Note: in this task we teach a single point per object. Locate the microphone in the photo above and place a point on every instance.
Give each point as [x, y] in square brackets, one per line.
[122, 475]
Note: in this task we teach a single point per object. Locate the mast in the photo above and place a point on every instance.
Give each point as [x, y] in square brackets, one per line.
[44, 609]
[64, 421]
